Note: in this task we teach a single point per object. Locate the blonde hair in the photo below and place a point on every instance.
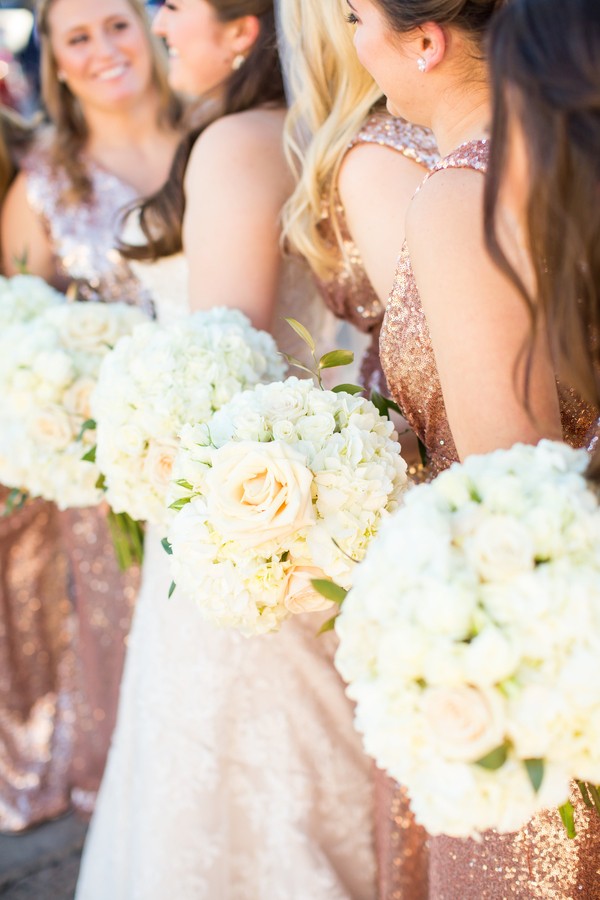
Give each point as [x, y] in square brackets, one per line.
[332, 96]
[70, 129]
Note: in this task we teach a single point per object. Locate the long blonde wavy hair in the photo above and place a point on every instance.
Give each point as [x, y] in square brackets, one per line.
[70, 128]
[332, 95]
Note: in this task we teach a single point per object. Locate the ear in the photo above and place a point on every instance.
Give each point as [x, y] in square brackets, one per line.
[244, 34]
[432, 45]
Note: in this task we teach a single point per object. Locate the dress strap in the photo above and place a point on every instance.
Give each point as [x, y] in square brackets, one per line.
[412, 141]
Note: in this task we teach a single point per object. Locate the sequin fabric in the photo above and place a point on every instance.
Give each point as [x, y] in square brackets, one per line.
[84, 236]
[36, 667]
[348, 292]
[71, 619]
[538, 861]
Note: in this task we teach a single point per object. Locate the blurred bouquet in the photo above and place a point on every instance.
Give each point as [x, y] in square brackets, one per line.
[48, 369]
[471, 641]
[287, 483]
[159, 379]
[24, 297]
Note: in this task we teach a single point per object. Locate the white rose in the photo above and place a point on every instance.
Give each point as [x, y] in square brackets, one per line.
[465, 723]
[77, 398]
[500, 549]
[299, 594]
[129, 439]
[259, 492]
[51, 427]
[88, 326]
[158, 465]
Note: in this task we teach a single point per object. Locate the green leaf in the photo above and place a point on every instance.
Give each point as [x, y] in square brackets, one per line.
[329, 625]
[15, 500]
[347, 389]
[329, 589]
[171, 590]
[384, 404]
[179, 504]
[336, 358]
[167, 546]
[101, 483]
[285, 556]
[90, 456]
[185, 484]
[535, 770]
[494, 760]
[567, 814]
[302, 333]
[378, 401]
[88, 425]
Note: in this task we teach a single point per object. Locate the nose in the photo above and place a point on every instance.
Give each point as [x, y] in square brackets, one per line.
[158, 23]
[104, 45]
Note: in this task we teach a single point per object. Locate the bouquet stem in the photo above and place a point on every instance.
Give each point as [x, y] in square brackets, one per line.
[128, 539]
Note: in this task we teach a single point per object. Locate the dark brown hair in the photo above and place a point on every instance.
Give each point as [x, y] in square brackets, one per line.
[16, 135]
[545, 68]
[258, 82]
[473, 16]
[70, 128]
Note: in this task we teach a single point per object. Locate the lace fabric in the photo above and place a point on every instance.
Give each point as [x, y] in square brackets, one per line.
[235, 771]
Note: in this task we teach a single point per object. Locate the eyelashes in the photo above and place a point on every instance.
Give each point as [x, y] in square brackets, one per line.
[351, 19]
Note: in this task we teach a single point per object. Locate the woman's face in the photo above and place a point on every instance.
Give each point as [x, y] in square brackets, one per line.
[101, 51]
[200, 52]
[390, 59]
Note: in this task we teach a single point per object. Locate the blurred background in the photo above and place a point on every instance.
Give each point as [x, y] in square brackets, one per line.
[19, 82]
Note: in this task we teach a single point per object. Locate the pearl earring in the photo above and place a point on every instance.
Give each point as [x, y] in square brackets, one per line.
[61, 76]
[421, 64]
[238, 61]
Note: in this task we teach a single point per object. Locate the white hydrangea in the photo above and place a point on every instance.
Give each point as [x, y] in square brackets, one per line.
[48, 369]
[473, 628]
[23, 297]
[285, 484]
[161, 378]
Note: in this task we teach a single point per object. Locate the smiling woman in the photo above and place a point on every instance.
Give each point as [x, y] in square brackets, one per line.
[113, 133]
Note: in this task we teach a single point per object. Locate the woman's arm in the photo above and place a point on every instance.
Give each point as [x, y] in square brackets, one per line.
[478, 322]
[25, 243]
[236, 183]
[376, 185]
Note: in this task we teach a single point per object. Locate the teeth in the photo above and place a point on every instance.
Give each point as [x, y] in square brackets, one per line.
[109, 74]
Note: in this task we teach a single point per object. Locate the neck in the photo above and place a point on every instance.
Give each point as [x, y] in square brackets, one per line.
[112, 129]
[461, 117]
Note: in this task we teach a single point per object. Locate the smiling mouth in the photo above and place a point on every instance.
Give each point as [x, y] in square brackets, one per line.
[112, 74]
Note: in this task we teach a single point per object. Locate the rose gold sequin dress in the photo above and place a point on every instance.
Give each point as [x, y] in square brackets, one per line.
[400, 843]
[36, 666]
[95, 629]
[538, 861]
[348, 291]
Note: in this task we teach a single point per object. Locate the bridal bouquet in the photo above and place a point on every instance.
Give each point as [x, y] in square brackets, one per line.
[471, 641]
[287, 483]
[23, 298]
[48, 368]
[161, 378]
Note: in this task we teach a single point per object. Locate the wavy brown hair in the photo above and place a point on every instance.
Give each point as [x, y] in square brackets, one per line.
[545, 68]
[258, 82]
[70, 130]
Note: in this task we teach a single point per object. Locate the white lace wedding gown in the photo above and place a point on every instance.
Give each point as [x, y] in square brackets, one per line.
[235, 772]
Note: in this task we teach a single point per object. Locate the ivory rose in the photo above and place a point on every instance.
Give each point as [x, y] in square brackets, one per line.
[466, 723]
[259, 492]
[299, 594]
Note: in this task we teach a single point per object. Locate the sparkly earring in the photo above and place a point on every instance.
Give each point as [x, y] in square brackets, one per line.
[421, 64]
[238, 61]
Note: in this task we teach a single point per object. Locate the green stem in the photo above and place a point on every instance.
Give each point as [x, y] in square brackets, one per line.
[567, 815]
